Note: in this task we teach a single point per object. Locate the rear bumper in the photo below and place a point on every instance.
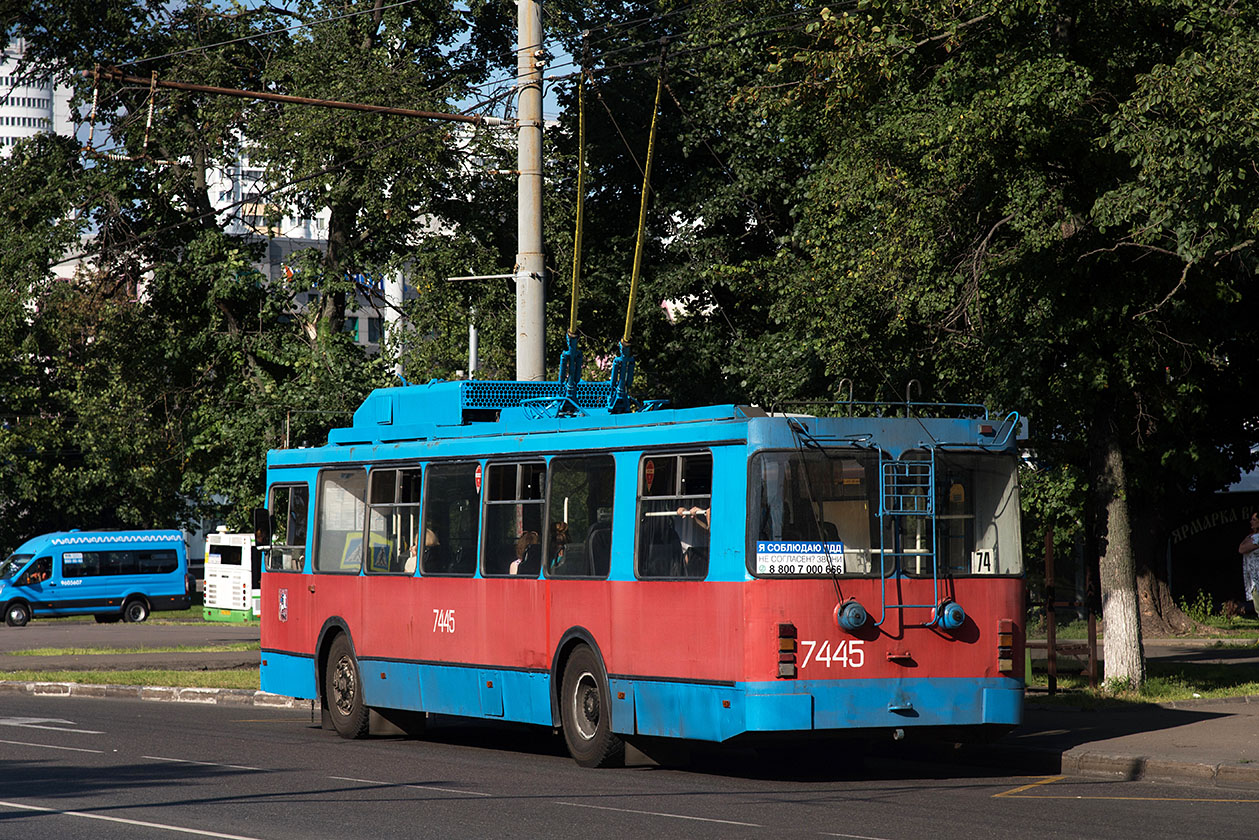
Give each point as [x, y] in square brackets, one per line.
[719, 713]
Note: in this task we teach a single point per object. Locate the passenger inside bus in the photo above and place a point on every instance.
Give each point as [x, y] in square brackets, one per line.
[692, 526]
[434, 556]
[41, 570]
[528, 555]
[557, 547]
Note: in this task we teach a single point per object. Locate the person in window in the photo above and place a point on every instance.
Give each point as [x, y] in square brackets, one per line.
[434, 561]
[557, 544]
[41, 571]
[693, 527]
[528, 555]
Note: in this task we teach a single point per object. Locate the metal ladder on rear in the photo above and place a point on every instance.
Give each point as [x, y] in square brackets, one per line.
[906, 488]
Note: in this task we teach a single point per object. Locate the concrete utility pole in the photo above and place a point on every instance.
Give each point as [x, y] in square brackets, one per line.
[530, 264]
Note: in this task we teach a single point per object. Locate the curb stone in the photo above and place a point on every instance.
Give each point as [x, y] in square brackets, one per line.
[1139, 768]
[204, 696]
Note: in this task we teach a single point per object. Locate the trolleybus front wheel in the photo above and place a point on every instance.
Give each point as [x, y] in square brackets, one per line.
[343, 691]
[586, 712]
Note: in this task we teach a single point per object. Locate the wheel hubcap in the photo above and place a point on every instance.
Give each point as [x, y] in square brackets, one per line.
[586, 706]
[344, 686]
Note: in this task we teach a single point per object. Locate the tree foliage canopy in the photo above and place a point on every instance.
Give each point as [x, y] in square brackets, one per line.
[1045, 205]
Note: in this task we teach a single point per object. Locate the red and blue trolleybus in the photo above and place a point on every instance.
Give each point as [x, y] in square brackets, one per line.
[499, 550]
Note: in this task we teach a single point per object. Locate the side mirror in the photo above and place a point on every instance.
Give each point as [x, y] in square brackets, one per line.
[262, 528]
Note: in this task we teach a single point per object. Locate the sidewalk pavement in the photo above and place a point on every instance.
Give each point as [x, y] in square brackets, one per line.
[1212, 742]
[1201, 742]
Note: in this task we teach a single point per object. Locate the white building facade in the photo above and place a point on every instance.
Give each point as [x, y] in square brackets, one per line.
[238, 191]
[29, 106]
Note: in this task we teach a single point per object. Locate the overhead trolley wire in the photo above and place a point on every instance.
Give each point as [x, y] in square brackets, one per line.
[687, 36]
[327, 169]
[267, 34]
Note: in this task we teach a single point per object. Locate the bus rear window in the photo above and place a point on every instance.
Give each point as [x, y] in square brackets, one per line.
[228, 555]
[821, 513]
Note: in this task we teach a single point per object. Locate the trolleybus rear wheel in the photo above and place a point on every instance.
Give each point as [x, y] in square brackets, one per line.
[17, 614]
[344, 691]
[586, 712]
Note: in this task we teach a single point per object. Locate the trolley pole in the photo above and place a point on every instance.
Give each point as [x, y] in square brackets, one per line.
[530, 263]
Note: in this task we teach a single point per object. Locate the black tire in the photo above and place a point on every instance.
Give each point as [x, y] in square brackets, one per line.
[586, 712]
[17, 614]
[343, 691]
[135, 611]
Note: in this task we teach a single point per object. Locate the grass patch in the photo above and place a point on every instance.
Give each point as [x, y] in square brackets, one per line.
[1234, 626]
[225, 648]
[1165, 682]
[246, 678]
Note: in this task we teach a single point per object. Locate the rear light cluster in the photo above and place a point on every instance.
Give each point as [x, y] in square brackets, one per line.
[1005, 646]
[787, 651]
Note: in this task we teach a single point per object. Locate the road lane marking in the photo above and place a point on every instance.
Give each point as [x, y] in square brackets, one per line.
[1018, 793]
[42, 723]
[851, 836]
[202, 763]
[1019, 790]
[123, 821]
[417, 787]
[660, 814]
[51, 747]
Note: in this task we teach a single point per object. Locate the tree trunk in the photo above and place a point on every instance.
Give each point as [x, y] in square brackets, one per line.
[1121, 617]
[1160, 615]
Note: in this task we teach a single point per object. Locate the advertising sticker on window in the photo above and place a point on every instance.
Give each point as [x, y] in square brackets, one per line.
[799, 558]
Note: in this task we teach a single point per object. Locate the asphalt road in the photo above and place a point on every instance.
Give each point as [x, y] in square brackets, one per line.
[75, 767]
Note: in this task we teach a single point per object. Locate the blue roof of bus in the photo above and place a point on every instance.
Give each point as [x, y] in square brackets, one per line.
[476, 410]
[448, 409]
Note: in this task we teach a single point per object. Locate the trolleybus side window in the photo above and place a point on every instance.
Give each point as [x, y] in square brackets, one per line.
[393, 521]
[339, 524]
[674, 507]
[513, 519]
[289, 505]
[579, 513]
[451, 510]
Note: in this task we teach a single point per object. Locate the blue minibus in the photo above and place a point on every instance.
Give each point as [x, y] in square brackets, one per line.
[109, 574]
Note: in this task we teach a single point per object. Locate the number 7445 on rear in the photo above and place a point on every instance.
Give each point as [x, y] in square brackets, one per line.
[846, 653]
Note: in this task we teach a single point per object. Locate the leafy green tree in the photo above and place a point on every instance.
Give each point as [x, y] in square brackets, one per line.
[237, 364]
[1029, 203]
[723, 166]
